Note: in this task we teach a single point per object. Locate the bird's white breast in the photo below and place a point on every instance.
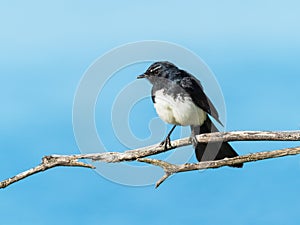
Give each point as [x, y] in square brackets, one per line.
[180, 111]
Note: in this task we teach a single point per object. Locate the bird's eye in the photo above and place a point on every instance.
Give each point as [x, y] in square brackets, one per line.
[155, 72]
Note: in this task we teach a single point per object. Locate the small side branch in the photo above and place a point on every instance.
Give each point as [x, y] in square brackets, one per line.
[48, 162]
[52, 161]
[171, 168]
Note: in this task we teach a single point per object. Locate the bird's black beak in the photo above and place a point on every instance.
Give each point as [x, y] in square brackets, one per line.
[141, 76]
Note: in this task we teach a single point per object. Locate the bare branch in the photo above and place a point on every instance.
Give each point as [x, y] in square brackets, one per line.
[131, 155]
[250, 136]
[171, 168]
[48, 162]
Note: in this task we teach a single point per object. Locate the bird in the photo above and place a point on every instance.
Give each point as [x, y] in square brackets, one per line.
[179, 99]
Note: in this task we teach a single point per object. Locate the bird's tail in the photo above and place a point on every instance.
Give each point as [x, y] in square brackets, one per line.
[211, 151]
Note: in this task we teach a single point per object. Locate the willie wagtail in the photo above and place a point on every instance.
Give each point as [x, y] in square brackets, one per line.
[179, 99]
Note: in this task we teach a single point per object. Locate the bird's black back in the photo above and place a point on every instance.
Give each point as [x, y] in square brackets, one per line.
[179, 82]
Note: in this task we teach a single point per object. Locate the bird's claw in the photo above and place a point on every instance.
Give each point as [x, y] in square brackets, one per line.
[194, 141]
[167, 143]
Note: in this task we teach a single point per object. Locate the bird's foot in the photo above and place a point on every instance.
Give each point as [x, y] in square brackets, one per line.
[167, 143]
[194, 141]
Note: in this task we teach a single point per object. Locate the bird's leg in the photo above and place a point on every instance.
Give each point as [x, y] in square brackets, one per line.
[195, 131]
[167, 141]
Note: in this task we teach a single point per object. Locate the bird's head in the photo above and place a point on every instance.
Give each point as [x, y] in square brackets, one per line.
[158, 70]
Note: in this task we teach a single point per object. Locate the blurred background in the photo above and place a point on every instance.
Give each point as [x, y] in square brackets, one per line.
[253, 49]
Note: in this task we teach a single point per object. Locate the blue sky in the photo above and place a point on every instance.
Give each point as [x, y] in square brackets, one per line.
[253, 49]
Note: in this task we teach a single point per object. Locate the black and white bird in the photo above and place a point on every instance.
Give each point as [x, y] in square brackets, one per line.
[179, 99]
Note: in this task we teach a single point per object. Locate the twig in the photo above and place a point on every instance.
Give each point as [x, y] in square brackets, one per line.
[52, 161]
[48, 162]
[171, 168]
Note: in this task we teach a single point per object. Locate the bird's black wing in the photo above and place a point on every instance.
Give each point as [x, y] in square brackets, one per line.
[193, 87]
